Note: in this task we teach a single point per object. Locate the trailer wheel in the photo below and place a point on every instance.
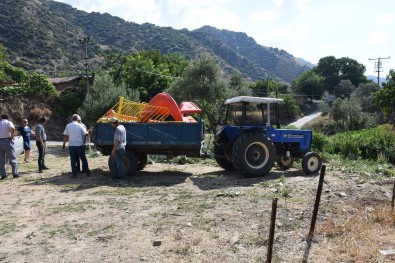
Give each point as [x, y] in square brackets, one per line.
[311, 163]
[143, 159]
[129, 160]
[253, 154]
[284, 163]
[223, 162]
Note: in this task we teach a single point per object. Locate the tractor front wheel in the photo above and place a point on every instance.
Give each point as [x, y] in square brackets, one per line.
[254, 154]
[311, 163]
[284, 163]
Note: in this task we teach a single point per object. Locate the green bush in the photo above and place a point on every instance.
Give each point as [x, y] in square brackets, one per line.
[38, 84]
[69, 103]
[365, 144]
[319, 142]
[25, 83]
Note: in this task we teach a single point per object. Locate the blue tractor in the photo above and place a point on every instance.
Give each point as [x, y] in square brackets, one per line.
[247, 142]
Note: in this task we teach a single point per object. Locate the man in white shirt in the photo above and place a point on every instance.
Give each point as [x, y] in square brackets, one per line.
[7, 132]
[75, 134]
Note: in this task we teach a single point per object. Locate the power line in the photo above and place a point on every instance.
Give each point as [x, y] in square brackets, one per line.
[378, 66]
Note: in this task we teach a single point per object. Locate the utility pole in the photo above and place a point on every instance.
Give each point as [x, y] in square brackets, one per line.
[84, 43]
[378, 66]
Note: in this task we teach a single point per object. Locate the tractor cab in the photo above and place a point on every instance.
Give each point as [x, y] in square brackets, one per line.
[247, 111]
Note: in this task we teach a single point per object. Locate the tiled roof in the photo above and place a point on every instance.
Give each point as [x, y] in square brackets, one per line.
[63, 80]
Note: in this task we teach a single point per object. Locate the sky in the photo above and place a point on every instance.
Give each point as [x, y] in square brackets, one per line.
[309, 29]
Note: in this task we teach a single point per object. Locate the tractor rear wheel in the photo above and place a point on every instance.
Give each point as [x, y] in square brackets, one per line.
[311, 163]
[223, 162]
[253, 154]
[284, 163]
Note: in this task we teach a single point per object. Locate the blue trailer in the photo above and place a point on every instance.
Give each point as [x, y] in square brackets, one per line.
[143, 138]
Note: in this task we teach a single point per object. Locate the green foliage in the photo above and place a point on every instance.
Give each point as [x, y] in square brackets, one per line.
[289, 109]
[236, 82]
[385, 98]
[344, 89]
[102, 96]
[147, 72]
[260, 88]
[38, 84]
[363, 94]
[3, 53]
[309, 83]
[320, 141]
[334, 70]
[25, 83]
[201, 83]
[268, 88]
[9, 73]
[69, 103]
[348, 115]
[365, 144]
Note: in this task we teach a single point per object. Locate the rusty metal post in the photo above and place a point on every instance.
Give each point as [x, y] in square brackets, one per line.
[393, 197]
[317, 201]
[271, 233]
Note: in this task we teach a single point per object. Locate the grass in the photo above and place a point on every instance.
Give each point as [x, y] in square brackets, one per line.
[281, 189]
[74, 207]
[360, 235]
[365, 168]
[7, 228]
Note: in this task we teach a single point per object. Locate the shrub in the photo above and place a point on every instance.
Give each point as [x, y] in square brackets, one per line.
[365, 144]
[319, 142]
[37, 113]
[69, 102]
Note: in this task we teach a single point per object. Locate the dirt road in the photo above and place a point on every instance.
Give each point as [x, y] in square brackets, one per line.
[302, 121]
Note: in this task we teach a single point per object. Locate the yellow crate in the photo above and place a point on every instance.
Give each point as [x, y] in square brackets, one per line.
[130, 111]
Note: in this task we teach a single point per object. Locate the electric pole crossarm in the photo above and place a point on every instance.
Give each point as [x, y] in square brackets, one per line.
[378, 66]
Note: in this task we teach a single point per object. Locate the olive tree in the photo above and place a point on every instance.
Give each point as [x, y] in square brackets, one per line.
[201, 83]
[103, 95]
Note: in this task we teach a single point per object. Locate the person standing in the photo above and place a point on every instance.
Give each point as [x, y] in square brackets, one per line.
[75, 134]
[25, 131]
[7, 132]
[119, 149]
[85, 138]
[41, 138]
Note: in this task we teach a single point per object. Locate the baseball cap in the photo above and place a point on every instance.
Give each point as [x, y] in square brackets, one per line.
[113, 119]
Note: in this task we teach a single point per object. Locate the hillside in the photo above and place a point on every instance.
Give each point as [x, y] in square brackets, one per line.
[43, 35]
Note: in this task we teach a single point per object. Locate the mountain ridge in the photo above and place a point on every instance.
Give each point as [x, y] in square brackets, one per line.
[43, 35]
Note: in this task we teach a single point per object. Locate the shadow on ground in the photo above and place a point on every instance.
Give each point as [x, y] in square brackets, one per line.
[225, 179]
[100, 178]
